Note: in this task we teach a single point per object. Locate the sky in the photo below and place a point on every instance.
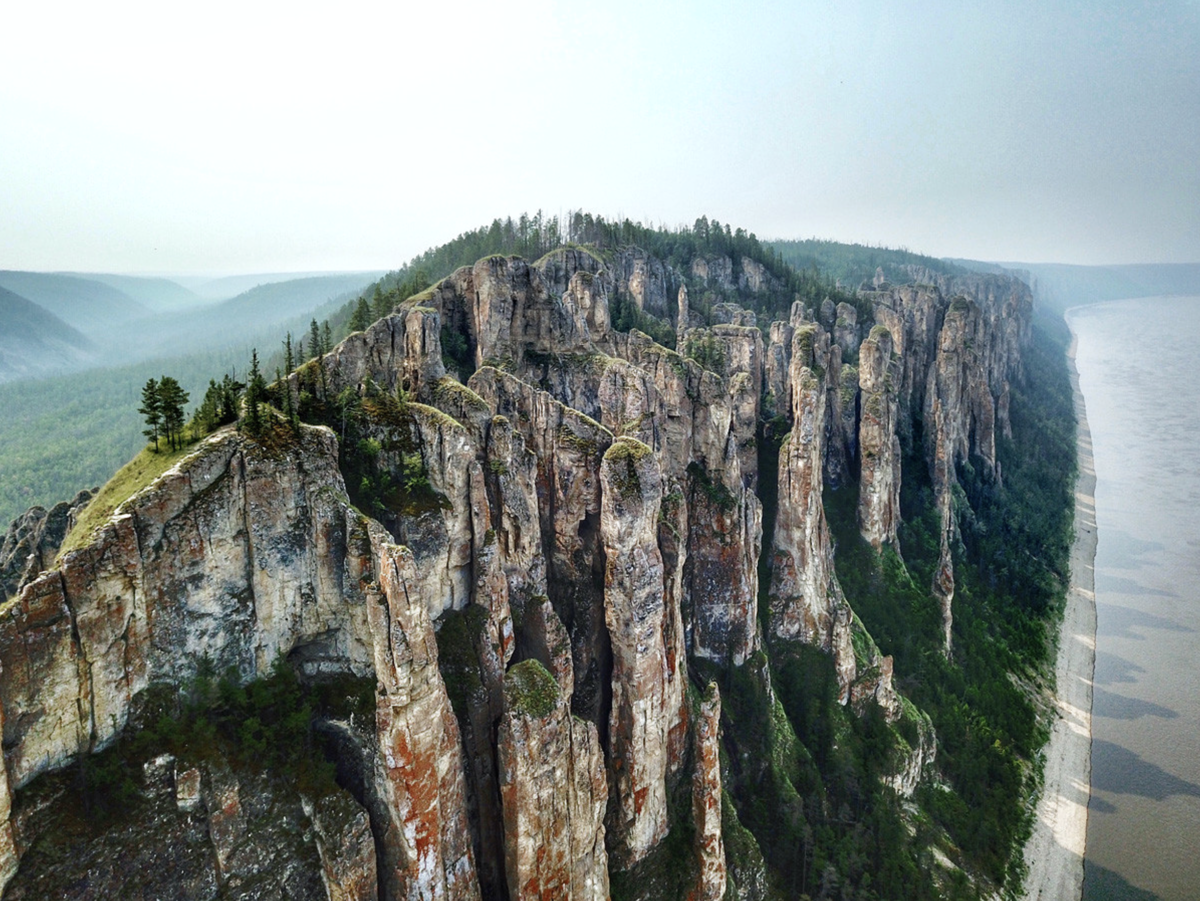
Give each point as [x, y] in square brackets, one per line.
[256, 137]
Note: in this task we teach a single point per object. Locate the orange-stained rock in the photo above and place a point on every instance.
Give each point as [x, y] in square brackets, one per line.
[554, 793]
[633, 602]
[706, 800]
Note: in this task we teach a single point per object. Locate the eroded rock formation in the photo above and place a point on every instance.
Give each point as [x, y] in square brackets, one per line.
[589, 525]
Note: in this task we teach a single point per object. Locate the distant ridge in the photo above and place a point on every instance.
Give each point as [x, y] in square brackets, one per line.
[230, 286]
[1059, 286]
[156, 293]
[35, 342]
[83, 303]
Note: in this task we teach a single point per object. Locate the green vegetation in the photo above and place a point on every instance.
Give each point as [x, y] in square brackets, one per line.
[265, 726]
[458, 635]
[713, 489]
[1011, 573]
[853, 264]
[622, 458]
[129, 480]
[707, 350]
[626, 316]
[530, 689]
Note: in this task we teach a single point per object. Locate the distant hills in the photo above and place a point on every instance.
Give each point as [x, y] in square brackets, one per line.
[1059, 286]
[92, 307]
[157, 294]
[229, 286]
[34, 342]
[57, 323]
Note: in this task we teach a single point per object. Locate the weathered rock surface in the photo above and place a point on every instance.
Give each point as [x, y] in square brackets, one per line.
[589, 521]
[878, 441]
[633, 603]
[32, 541]
[243, 553]
[806, 602]
[241, 836]
[552, 781]
[706, 800]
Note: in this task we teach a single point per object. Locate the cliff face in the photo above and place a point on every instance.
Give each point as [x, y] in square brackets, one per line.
[590, 526]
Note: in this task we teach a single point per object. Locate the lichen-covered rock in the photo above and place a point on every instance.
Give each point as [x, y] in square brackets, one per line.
[552, 782]
[244, 552]
[633, 602]
[347, 850]
[242, 836]
[706, 800]
[878, 441]
[422, 766]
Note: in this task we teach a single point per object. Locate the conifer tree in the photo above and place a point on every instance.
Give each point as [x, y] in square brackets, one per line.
[151, 409]
[318, 348]
[326, 346]
[361, 318]
[171, 400]
[255, 389]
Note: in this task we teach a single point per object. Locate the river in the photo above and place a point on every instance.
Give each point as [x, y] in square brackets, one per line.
[1138, 363]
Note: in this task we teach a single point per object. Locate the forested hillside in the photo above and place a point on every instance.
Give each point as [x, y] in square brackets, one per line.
[34, 341]
[59, 434]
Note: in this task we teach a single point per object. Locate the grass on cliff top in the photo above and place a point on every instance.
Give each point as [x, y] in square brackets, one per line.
[131, 478]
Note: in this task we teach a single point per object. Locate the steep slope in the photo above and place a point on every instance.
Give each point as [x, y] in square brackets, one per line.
[596, 587]
[94, 308]
[35, 342]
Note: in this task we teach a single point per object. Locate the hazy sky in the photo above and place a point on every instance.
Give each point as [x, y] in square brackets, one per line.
[243, 136]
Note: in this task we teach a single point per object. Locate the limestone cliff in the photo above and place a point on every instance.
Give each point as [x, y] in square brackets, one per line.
[563, 552]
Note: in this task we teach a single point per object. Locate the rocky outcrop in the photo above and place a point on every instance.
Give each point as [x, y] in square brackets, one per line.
[806, 602]
[878, 441]
[199, 833]
[243, 553]
[633, 603]
[706, 800]
[574, 530]
[552, 781]
[32, 541]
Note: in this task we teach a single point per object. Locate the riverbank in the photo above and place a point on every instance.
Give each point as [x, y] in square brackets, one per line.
[1054, 852]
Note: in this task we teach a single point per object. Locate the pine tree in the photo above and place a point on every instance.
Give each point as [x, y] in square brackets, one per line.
[314, 338]
[152, 410]
[326, 346]
[361, 318]
[171, 400]
[231, 390]
[317, 347]
[255, 389]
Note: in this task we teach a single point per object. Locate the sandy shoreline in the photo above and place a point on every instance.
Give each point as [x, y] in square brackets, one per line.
[1055, 851]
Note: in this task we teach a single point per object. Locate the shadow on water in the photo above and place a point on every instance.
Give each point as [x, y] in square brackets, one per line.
[1118, 707]
[1114, 670]
[1101, 884]
[1119, 771]
[1121, 585]
[1123, 551]
[1118, 622]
